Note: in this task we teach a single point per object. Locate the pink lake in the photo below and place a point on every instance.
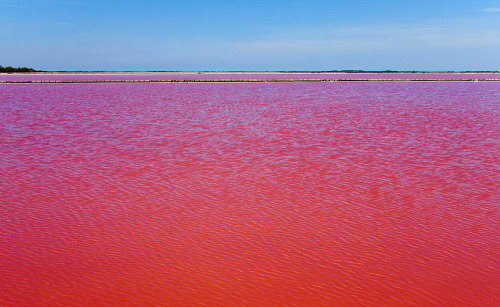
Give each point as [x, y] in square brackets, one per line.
[240, 76]
[231, 194]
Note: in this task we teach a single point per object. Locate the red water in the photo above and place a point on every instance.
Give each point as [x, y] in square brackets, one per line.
[241, 76]
[298, 194]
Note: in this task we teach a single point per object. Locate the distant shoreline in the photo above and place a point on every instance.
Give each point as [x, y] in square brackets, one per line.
[242, 81]
[248, 77]
[250, 72]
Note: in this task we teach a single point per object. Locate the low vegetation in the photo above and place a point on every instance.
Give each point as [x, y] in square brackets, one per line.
[9, 69]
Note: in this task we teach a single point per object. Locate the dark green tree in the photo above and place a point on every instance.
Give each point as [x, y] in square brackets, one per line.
[10, 69]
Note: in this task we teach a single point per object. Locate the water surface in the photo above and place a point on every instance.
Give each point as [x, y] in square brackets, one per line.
[250, 194]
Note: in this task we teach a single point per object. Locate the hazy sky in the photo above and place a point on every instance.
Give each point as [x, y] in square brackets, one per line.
[250, 35]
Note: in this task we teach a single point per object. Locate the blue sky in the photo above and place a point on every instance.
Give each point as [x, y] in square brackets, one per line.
[250, 35]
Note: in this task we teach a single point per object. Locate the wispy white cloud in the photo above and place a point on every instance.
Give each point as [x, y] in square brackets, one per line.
[455, 34]
[492, 10]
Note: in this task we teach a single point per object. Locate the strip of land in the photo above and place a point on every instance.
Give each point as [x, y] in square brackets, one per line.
[245, 80]
[245, 77]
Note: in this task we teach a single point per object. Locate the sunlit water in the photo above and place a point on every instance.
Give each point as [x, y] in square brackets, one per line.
[250, 194]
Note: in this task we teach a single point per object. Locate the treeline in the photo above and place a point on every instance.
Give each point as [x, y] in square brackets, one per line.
[16, 69]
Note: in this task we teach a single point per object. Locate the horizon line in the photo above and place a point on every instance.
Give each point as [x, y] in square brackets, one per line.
[261, 71]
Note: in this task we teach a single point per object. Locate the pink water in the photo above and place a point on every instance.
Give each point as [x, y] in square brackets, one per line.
[241, 76]
[298, 194]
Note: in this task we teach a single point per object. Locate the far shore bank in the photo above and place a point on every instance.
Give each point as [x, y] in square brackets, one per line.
[238, 72]
[242, 81]
[237, 77]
